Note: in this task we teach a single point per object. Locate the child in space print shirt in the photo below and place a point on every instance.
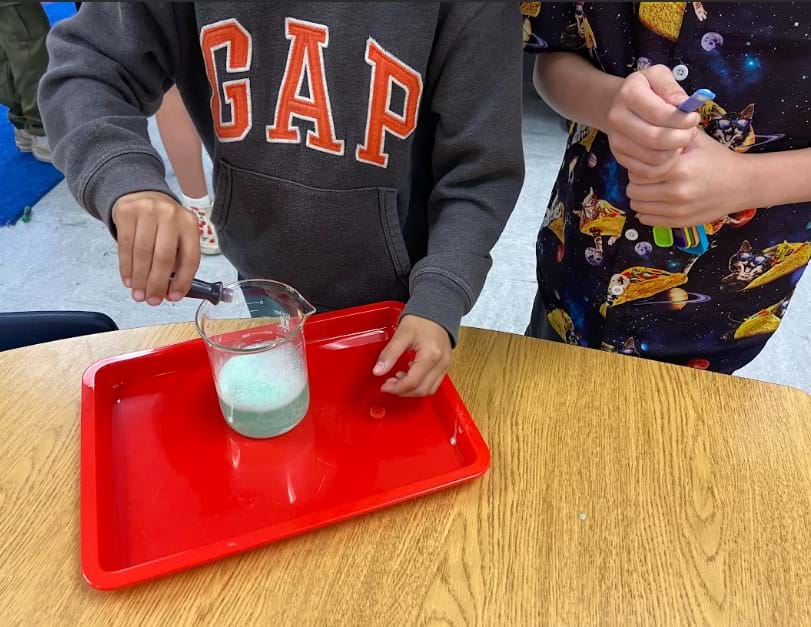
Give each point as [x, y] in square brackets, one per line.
[739, 167]
[356, 155]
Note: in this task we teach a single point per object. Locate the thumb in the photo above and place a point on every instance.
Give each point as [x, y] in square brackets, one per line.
[661, 81]
[399, 344]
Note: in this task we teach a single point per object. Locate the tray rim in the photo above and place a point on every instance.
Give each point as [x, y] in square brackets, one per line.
[102, 579]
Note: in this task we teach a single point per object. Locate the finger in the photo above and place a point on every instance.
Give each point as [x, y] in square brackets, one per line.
[436, 378]
[656, 137]
[650, 156]
[442, 370]
[415, 377]
[397, 377]
[642, 170]
[163, 262]
[634, 177]
[656, 192]
[399, 344]
[664, 85]
[424, 388]
[143, 248]
[652, 208]
[125, 227]
[661, 80]
[656, 112]
[432, 381]
[626, 122]
[651, 108]
[187, 262]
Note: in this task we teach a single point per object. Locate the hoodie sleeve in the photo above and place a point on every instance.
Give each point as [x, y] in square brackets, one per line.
[477, 161]
[109, 67]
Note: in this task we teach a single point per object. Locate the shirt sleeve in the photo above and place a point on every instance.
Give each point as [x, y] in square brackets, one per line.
[477, 161]
[552, 27]
[109, 68]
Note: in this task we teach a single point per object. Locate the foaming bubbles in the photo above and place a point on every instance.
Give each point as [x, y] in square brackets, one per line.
[264, 394]
[262, 381]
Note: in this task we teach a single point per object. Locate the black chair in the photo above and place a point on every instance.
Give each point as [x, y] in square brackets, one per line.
[34, 327]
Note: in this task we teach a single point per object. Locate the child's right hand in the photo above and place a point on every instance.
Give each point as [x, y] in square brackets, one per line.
[156, 236]
[645, 130]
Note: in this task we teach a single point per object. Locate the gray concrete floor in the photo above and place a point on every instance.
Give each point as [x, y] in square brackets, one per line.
[63, 259]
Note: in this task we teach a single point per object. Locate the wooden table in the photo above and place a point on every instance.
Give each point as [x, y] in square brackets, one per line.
[621, 492]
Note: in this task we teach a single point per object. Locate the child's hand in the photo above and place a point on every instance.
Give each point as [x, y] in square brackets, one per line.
[156, 236]
[705, 184]
[433, 358]
[645, 130]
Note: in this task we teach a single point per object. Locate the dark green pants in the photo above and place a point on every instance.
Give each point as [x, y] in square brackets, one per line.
[23, 61]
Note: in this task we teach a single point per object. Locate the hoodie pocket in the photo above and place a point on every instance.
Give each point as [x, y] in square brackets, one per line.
[339, 248]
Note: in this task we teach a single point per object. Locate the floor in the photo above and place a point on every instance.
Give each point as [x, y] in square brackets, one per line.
[63, 259]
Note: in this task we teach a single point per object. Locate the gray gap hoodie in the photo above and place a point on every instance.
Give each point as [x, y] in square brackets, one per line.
[363, 151]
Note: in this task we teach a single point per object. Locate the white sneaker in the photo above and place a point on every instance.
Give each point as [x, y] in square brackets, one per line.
[40, 148]
[209, 244]
[22, 140]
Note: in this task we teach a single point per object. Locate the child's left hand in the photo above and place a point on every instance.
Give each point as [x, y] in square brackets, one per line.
[706, 184]
[433, 358]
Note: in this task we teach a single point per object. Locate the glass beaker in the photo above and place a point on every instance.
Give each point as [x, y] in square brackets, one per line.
[255, 342]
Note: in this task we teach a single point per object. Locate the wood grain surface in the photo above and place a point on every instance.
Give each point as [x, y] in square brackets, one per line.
[622, 492]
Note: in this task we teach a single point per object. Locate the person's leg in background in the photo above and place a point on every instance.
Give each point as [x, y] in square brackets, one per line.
[9, 98]
[182, 145]
[23, 29]
[539, 326]
[186, 156]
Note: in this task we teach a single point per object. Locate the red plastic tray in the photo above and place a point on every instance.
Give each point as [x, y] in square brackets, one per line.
[166, 484]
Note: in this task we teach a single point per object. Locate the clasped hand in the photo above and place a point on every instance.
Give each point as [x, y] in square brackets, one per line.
[678, 175]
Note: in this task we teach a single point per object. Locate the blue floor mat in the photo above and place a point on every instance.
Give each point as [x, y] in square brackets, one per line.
[23, 179]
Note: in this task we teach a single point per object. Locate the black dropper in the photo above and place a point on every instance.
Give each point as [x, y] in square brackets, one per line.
[215, 293]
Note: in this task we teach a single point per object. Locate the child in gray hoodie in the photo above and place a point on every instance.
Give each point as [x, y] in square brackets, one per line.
[362, 151]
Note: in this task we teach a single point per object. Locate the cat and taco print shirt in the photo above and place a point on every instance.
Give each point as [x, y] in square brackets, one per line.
[604, 282]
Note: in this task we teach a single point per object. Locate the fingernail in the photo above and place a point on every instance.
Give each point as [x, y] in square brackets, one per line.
[175, 296]
[380, 368]
[154, 301]
[138, 296]
[128, 282]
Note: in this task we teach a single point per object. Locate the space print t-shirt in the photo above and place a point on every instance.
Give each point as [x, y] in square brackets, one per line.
[603, 280]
